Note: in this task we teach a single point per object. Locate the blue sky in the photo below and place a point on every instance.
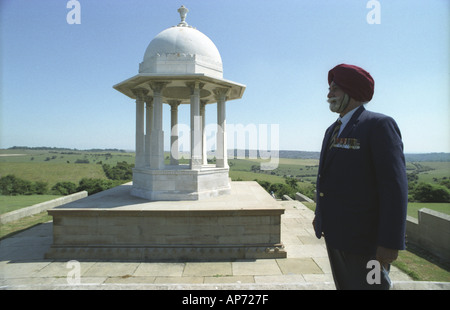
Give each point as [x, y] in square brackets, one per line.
[57, 78]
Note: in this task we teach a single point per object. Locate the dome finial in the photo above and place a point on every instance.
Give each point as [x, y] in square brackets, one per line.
[183, 12]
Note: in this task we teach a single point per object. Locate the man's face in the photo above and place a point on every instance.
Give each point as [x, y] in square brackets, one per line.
[337, 99]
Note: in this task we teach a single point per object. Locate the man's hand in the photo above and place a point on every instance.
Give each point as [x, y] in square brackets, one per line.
[314, 225]
[386, 256]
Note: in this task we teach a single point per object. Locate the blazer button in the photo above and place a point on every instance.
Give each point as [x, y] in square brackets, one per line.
[322, 195]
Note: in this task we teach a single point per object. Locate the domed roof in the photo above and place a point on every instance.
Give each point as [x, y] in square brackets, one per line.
[182, 49]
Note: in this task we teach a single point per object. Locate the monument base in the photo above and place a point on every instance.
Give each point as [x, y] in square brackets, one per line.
[180, 183]
[114, 225]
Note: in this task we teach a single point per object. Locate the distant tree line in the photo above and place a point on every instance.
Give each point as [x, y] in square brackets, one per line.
[46, 148]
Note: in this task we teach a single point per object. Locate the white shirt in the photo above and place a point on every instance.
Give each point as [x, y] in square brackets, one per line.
[345, 119]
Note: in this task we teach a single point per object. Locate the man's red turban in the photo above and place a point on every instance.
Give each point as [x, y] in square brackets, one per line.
[353, 80]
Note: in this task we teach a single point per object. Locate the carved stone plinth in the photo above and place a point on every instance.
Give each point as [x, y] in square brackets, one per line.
[180, 183]
[114, 225]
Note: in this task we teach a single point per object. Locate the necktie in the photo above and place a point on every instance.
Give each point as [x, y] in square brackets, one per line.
[334, 134]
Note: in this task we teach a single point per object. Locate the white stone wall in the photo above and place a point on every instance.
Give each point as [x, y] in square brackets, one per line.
[431, 231]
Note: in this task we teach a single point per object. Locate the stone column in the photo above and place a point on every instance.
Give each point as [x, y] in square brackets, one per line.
[157, 134]
[221, 148]
[140, 136]
[174, 131]
[148, 128]
[196, 126]
[203, 115]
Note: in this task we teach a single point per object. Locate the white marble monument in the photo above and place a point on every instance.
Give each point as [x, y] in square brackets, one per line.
[174, 212]
[181, 66]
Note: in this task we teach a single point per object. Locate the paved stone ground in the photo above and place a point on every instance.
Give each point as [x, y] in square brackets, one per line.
[22, 266]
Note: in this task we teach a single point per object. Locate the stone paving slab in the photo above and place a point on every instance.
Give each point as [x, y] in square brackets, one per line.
[22, 266]
[208, 269]
[160, 269]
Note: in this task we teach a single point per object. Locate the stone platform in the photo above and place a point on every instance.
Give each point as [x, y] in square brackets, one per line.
[115, 225]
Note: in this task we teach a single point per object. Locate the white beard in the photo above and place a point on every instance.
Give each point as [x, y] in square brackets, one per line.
[338, 104]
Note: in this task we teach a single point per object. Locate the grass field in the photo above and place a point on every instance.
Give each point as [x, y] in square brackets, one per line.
[414, 207]
[429, 171]
[52, 172]
[58, 166]
[11, 203]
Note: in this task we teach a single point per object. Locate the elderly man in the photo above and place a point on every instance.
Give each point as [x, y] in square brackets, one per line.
[361, 185]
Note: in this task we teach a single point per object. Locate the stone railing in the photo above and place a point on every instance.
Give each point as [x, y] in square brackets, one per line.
[40, 207]
[431, 232]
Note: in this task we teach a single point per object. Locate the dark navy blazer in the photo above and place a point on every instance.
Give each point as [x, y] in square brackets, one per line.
[362, 190]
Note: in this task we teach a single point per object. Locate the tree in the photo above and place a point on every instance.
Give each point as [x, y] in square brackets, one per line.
[65, 188]
[122, 171]
[445, 182]
[264, 184]
[11, 185]
[292, 182]
[93, 186]
[425, 192]
[40, 187]
[255, 168]
[281, 189]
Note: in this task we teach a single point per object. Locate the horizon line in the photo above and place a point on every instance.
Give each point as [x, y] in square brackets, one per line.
[210, 152]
